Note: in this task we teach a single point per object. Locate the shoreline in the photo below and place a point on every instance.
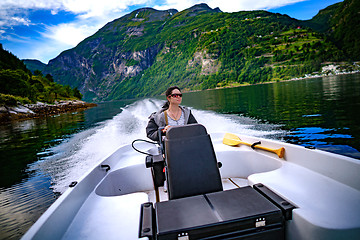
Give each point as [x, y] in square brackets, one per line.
[38, 110]
[269, 82]
[235, 85]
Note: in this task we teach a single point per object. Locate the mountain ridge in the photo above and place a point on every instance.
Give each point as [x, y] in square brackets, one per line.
[143, 52]
[340, 23]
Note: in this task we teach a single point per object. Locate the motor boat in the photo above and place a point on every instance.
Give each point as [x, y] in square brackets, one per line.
[196, 185]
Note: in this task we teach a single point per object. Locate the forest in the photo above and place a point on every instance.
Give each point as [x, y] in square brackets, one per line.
[20, 85]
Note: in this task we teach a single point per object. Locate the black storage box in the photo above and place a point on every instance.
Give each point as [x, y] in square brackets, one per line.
[241, 213]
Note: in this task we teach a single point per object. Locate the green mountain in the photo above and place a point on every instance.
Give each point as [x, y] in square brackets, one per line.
[144, 52]
[321, 22]
[18, 84]
[34, 65]
[340, 22]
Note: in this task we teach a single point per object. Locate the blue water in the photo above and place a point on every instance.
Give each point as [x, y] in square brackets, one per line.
[40, 157]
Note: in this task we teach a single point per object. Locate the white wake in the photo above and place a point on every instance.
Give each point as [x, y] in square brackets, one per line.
[83, 151]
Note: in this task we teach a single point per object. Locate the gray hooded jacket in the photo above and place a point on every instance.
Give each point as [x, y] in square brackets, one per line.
[157, 120]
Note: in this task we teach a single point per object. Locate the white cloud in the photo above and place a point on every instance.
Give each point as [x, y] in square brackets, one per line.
[92, 15]
[96, 8]
[30, 4]
[178, 5]
[228, 5]
[87, 8]
[91, 8]
[58, 38]
[44, 51]
[69, 33]
[15, 12]
[235, 6]
[20, 21]
[8, 18]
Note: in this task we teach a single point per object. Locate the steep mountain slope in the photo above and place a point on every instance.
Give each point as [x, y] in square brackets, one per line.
[142, 53]
[18, 84]
[340, 22]
[346, 31]
[122, 48]
[34, 64]
[321, 22]
[9, 61]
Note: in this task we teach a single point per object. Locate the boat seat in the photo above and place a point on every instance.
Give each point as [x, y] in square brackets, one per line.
[191, 165]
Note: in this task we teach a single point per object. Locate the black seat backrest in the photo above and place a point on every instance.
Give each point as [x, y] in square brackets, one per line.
[191, 163]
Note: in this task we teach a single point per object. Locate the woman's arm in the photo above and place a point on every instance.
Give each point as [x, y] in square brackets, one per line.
[152, 130]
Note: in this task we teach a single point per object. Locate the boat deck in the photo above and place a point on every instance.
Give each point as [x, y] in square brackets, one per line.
[324, 187]
[123, 211]
[228, 183]
[330, 207]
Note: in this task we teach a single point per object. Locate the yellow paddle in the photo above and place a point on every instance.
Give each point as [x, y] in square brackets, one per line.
[233, 140]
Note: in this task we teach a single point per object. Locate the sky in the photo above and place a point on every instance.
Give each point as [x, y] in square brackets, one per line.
[42, 29]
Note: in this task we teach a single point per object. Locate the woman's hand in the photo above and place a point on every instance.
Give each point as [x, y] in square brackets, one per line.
[166, 128]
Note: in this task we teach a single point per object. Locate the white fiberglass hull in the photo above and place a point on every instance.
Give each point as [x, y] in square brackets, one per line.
[324, 187]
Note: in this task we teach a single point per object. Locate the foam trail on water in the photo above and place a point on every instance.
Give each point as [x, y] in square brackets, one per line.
[215, 122]
[83, 151]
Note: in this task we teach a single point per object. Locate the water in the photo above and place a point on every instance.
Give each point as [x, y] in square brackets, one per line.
[319, 112]
[39, 158]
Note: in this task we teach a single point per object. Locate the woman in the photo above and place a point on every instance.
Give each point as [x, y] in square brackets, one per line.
[171, 114]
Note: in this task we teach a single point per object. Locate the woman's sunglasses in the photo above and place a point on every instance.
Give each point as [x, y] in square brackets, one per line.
[176, 95]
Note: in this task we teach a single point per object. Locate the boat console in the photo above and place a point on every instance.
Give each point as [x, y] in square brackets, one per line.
[198, 208]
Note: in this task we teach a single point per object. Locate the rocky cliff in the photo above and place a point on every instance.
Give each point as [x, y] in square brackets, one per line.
[105, 58]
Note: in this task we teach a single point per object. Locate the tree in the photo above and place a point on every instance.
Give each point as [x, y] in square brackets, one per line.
[77, 93]
[49, 77]
[15, 83]
[38, 73]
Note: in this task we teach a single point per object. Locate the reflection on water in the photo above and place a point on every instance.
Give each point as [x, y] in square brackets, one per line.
[21, 141]
[26, 189]
[331, 104]
[25, 194]
[40, 157]
[22, 204]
